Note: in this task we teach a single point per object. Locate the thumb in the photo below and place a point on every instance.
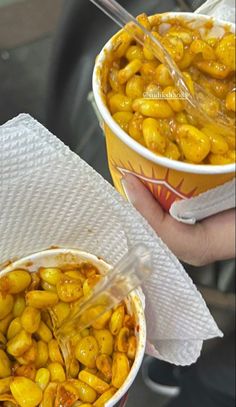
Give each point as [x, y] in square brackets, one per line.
[143, 201]
[185, 241]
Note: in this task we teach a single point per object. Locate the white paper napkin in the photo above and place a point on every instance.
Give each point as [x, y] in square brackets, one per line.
[207, 204]
[49, 196]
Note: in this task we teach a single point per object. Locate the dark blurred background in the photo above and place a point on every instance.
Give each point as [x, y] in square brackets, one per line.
[47, 53]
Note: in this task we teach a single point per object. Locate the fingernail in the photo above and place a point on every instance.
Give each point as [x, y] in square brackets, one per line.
[128, 190]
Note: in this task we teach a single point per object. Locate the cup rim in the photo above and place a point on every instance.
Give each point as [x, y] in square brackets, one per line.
[61, 254]
[129, 141]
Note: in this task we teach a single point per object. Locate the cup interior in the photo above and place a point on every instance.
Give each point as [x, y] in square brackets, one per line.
[61, 257]
[196, 20]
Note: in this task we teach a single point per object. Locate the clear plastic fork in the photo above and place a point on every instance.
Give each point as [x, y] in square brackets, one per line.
[113, 288]
[195, 105]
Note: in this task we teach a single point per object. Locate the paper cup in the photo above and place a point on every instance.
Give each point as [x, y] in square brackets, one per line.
[62, 257]
[168, 180]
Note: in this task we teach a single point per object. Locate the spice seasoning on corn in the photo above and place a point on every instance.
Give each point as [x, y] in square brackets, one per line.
[141, 95]
[30, 356]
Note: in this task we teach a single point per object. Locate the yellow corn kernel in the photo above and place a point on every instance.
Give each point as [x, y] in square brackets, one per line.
[163, 76]
[93, 381]
[218, 159]
[158, 109]
[86, 393]
[120, 369]
[4, 323]
[181, 118]
[102, 321]
[225, 51]
[123, 119]
[19, 306]
[49, 395]
[232, 155]
[117, 320]
[50, 275]
[105, 340]
[144, 21]
[14, 328]
[26, 392]
[43, 332]
[135, 87]
[5, 365]
[134, 52]
[136, 127]
[30, 319]
[30, 355]
[181, 32]
[75, 339]
[174, 46]
[15, 282]
[231, 101]
[211, 106]
[121, 44]
[120, 103]
[42, 378]
[154, 140]
[172, 97]
[194, 143]
[57, 373]
[201, 47]
[28, 371]
[132, 347]
[76, 275]
[218, 142]
[41, 299]
[42, 354]
[148, 71]
[104, 365]
[54, 352]
[6, 304]
[231, 140]
[130, 70]
[67, 395]
[212, 41]
[48, 287]
[19, 344]
[5, 385]
[105, 397]
[172, 151]
[86, 351]
[186, 61]
[74, 368]
[214, 69]
[69, 289]
[123, 340]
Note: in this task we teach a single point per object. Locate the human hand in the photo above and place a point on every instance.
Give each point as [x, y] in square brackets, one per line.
[209, 240]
